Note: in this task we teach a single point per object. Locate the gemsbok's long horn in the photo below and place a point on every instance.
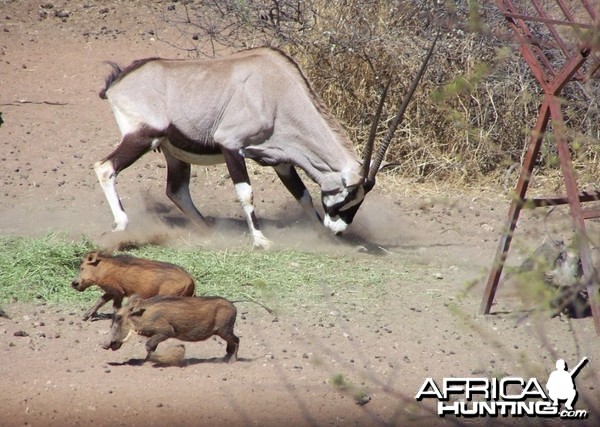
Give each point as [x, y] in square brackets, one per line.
[398, 118]
[368, 152]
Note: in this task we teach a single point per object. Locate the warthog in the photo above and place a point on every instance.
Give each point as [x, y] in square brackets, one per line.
[184, 318]
[122, 276]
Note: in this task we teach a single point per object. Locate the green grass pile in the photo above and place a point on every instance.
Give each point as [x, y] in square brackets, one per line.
[43, 268]
[34, 269]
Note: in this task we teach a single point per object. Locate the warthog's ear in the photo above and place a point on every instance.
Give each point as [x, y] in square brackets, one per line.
[134, 304]
[92, 258]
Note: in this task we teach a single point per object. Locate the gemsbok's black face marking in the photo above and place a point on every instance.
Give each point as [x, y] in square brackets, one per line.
[341, 209]
[231, 112]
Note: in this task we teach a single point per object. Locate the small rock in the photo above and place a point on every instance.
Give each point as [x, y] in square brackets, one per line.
[62, 13]
[21, 334]
[362, 399]
[487, 227]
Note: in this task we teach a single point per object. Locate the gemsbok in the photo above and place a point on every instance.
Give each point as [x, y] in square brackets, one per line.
[255, 104]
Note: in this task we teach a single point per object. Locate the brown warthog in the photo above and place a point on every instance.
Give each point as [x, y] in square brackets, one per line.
[121, 276]
[184, 318]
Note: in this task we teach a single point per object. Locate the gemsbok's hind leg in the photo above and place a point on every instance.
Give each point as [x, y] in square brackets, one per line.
[131, 148]
[178, 189]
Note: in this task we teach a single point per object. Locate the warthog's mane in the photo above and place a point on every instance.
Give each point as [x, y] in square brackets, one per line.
[125, 259]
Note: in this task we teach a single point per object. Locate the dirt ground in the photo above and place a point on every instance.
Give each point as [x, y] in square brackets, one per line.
[441, 241]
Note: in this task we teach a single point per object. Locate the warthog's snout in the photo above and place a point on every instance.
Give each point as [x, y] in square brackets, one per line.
[116, 340]
[75, 285]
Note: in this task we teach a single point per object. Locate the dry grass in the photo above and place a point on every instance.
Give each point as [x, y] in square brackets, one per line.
[473, 114]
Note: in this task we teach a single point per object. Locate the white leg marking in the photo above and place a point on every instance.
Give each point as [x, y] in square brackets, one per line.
[244, 193]
[106, 176]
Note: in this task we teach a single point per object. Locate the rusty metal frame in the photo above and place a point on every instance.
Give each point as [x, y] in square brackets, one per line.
[552, 79]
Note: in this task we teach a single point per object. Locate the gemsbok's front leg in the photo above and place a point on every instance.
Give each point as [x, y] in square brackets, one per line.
[292, 181]
[239, 175]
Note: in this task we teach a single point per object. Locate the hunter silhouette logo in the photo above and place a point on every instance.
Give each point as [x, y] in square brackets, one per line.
[561, 385]
[507, 396]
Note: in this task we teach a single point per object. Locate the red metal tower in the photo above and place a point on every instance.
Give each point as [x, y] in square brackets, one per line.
[571, 28]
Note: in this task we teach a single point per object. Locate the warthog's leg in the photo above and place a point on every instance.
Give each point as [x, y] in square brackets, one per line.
[153, 342]
[118, 302]
[233, 342]
[101, 301]
[132, 147]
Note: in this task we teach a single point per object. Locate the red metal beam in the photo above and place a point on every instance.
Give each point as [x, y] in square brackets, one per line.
[589, 9]
[584, 196]
[550, 21]
[568, 71]
[550, 25]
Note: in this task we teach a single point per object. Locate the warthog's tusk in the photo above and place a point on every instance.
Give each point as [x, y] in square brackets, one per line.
[131, 332]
